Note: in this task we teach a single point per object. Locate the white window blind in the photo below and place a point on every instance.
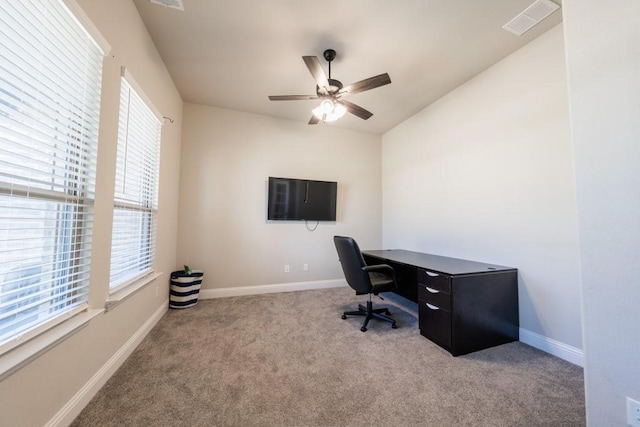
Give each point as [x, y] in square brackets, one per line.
[133, 244]
[50, 82]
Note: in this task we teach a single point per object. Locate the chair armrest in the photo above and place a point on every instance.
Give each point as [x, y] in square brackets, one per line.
[377, 267]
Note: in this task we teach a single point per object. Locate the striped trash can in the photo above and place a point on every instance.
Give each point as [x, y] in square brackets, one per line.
[185, 288]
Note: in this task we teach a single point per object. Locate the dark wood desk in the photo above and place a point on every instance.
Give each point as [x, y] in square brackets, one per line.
[464, 306]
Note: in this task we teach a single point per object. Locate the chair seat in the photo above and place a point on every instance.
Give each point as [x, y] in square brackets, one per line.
[381, 282]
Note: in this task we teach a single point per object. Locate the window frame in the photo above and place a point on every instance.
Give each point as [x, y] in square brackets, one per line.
[122, 288]
[78, 195]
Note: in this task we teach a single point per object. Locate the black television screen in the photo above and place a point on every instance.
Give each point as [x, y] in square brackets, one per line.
[301, 199]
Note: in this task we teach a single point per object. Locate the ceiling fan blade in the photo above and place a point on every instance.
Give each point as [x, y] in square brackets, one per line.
[314, 120]
[356, 109]
[291, 97]
[367, 84]
[314, 66]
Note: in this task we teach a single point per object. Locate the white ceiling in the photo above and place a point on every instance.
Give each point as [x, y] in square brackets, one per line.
[235, 53]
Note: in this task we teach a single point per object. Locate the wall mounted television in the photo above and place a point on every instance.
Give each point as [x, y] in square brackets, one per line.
[301, 199]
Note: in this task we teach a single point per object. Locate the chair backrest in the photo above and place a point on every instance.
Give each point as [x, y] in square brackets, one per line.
[352, 263]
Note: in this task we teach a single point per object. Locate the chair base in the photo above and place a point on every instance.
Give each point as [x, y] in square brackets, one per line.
[370, 313]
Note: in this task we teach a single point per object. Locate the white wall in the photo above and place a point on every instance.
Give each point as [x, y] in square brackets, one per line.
[227, 158]
[486, 174]
[603, 59]
[55, 385]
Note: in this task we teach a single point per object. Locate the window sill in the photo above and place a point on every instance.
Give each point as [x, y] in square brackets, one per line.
[126, 292]
[18, 357]
[32, 348]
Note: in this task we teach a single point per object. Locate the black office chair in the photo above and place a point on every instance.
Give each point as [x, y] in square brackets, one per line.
[364, 279]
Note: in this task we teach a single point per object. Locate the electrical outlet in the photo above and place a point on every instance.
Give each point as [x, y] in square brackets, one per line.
[305, 267]
[633, 412]
[286, 268]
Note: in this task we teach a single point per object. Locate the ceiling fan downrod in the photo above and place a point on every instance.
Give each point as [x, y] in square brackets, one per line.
[334, 85]
[329, 55]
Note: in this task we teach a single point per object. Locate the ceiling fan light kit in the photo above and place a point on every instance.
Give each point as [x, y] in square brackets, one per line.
[329, 111]
[331, 91]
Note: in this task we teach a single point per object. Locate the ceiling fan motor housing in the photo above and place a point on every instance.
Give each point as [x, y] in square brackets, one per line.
[334, 87]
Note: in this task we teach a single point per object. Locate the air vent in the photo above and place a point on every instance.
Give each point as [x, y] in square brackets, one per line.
[173, 4]
[531, 16]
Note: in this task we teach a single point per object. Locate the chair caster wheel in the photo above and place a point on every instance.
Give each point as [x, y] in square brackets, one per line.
[363, 329]
[344, 317]
[394, 326]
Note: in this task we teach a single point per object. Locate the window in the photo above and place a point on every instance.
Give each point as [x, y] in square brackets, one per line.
[136, 192]
[50, 82]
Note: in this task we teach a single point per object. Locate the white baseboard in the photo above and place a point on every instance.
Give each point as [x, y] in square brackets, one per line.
[72, 409]
[268, 289]
[563, 351]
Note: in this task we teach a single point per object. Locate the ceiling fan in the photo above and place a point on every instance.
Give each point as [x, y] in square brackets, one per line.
[332, 92]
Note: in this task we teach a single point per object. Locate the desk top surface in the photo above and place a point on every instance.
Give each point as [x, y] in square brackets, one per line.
[436, 263]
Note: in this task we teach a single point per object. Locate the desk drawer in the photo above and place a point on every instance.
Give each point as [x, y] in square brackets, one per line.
[435, 324]
[434, 297]
[439, 282]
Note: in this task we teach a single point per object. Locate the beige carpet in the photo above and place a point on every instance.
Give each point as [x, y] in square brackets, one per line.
[289, 360]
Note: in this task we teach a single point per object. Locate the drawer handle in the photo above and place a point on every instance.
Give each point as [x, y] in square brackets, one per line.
[432, 291]
[432, 307]
[431, 274]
